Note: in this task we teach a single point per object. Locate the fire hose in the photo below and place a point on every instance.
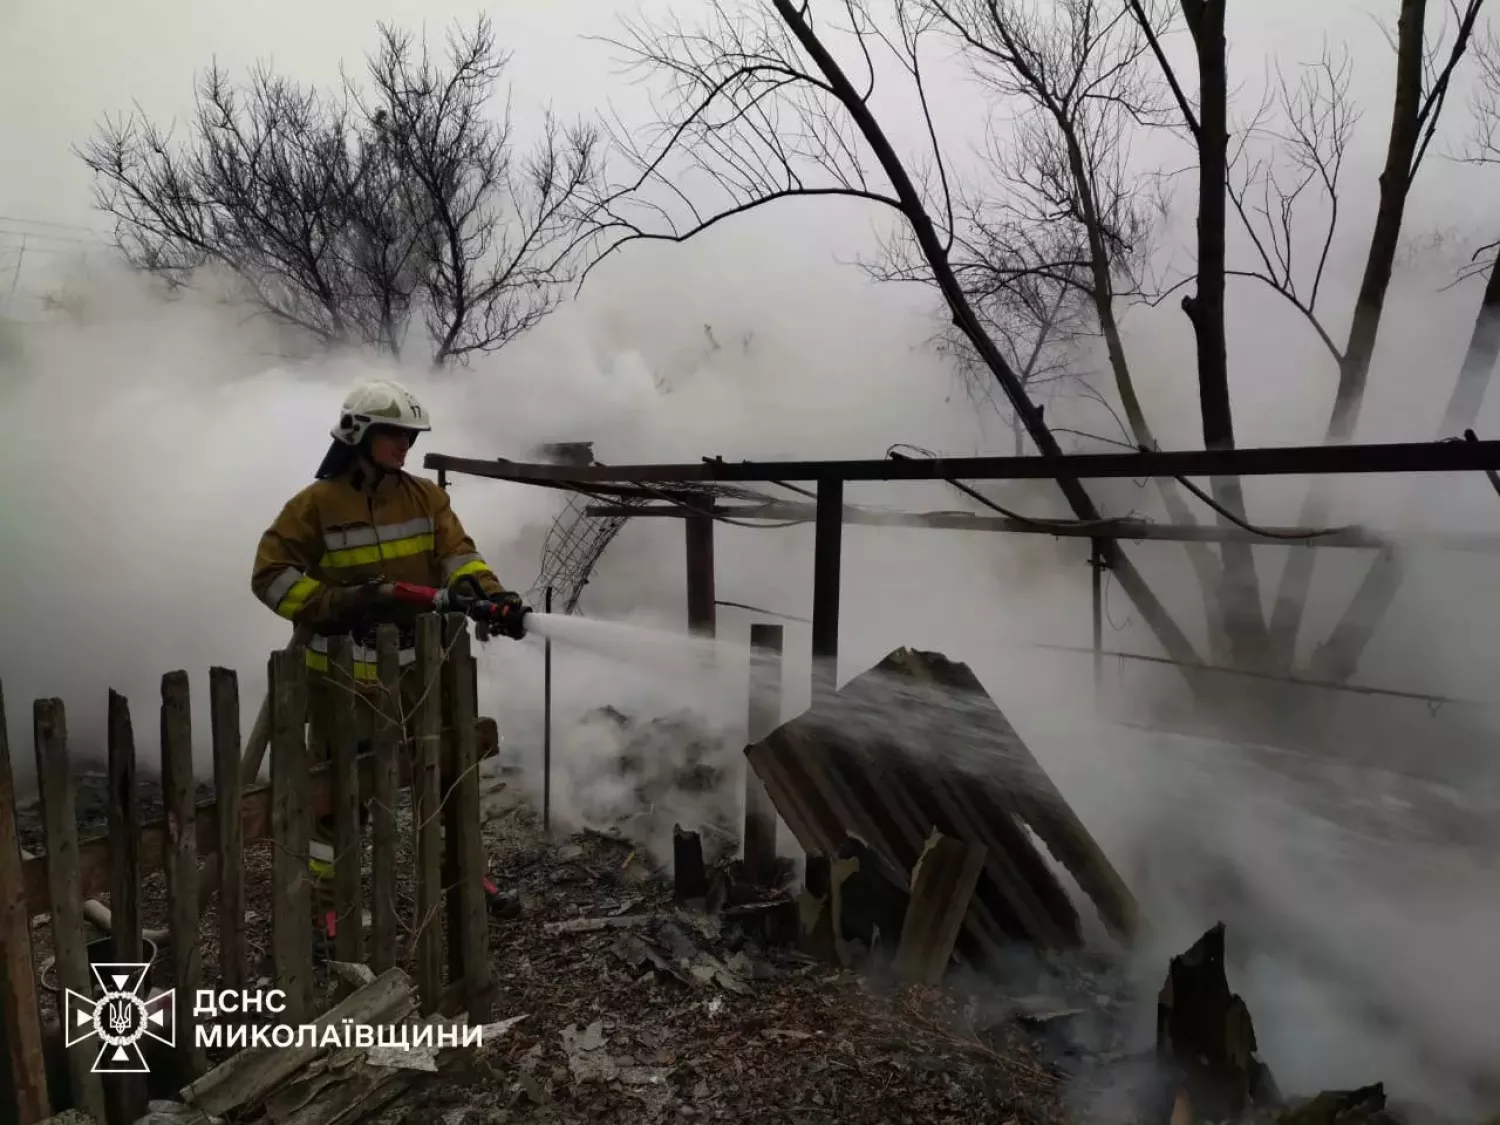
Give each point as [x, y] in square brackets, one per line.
[503, 615]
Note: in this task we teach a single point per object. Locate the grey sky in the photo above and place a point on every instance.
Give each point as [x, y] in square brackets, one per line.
[64, 63]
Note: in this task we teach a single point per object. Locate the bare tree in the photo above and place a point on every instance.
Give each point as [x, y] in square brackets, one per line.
[1207, 125]
[762, 111]
[1338, 657]
[1038, 320]
[346, 216]
[1073, 82]
[1287, 161]
[1484, 342]
[1317, 122]
[1053, 246]
[502, 238]
[1423, 75]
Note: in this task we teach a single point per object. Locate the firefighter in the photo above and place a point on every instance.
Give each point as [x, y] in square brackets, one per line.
[363, 523]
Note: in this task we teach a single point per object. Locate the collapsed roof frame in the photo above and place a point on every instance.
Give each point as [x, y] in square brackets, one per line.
[630, 488]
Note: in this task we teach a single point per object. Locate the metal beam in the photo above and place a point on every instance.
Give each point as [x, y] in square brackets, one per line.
[617, 491]
[1127, 529]
[1304, 460]
[1270, 677]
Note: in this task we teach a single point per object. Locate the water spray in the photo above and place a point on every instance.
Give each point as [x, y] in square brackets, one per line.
[628, 643]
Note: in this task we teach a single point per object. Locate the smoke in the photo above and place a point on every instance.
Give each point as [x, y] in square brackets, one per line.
[155, 442]
[149, 444]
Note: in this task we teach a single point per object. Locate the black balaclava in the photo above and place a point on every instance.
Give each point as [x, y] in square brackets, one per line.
[336, 461]
[340, 457]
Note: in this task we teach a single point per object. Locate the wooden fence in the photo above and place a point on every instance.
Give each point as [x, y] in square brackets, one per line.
[201, 852]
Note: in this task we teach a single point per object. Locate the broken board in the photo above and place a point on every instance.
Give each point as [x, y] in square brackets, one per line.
[916, 745]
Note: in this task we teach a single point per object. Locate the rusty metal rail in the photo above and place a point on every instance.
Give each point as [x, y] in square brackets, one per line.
[1455, 456]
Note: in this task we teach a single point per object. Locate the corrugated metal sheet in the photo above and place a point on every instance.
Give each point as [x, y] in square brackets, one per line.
[915, 744]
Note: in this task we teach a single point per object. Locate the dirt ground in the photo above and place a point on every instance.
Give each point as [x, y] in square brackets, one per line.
[686, 1017]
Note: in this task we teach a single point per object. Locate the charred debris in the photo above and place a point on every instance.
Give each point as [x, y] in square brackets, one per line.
[929, 962]
[938, 852]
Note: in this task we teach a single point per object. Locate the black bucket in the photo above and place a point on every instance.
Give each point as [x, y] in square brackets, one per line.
[101, 951]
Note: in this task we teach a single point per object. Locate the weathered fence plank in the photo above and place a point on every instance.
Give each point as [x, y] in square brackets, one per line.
[20, 1019]
[942, 883]
[427, 824]
[95, 866]
[55, 781]
[764, 716]
[348, 848]
[125, 881]
[224, 719]
[178, 792]
[468, 928]
[449, 744]
[388, 747]
[291, 903]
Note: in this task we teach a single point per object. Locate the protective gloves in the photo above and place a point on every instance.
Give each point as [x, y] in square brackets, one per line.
[503, 615]
[350, 607]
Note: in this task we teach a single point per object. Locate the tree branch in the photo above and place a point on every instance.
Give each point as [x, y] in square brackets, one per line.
[1413, 112]
[822, 125]
[344, 217]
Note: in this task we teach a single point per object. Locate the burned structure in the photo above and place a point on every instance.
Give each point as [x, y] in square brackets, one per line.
[855, 794]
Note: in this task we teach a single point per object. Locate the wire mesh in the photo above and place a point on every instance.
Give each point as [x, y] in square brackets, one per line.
[576, 541]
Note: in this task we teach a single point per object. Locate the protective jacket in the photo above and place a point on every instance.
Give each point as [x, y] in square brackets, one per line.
[360, 526]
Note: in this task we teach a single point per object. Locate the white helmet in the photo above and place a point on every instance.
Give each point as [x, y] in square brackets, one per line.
[382, 402]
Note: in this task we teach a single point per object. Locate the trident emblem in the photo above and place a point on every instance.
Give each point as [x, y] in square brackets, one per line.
[119, 1016]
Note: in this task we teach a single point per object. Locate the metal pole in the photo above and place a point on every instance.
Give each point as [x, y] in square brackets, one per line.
[547, 723]
[828, 531]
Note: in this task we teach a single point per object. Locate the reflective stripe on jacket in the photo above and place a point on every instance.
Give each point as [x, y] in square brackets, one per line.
[365, 665]
[352, 529]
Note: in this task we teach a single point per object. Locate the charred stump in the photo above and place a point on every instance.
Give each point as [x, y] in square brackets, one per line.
[815, 933]
[1364, 1106]
[689, 873]
[1205, 1034]
[869, 900]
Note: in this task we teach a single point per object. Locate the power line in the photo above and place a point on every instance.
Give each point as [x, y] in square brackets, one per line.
[1431, 699]
[53, 251]
[43, 238]
[16, 219]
